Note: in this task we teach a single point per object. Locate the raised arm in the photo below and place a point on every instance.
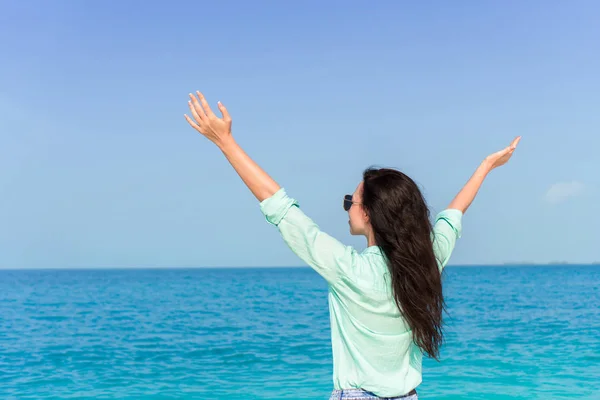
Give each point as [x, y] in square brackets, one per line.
[447, 227]
[320, 251]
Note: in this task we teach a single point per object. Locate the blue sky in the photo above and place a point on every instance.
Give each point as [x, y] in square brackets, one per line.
[98, 168]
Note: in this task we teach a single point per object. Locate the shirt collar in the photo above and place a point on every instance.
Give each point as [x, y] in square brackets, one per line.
[373, 250]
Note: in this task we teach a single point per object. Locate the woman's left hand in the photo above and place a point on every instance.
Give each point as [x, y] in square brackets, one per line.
[501, 157]
[215, 129]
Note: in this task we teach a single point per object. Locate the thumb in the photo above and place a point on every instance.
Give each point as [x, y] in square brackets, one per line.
[503, 152]
[226, 116]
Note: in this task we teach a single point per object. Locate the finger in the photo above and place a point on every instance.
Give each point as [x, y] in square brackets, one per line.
[515, 142]
[192, 123]
[199, 111]
[194, 112]
[205, 105]
[224, 112]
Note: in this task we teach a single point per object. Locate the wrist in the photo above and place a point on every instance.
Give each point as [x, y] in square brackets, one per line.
[226, 144]
[486, 166]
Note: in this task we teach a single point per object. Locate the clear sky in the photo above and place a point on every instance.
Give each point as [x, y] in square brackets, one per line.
[98, 168]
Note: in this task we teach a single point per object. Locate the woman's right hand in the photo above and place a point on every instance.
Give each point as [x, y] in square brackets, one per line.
[501, 157]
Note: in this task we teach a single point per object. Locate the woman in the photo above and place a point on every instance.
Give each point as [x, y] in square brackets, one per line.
[386, 302]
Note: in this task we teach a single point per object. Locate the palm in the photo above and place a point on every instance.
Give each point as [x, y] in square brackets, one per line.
[501, 157]
[206, 122]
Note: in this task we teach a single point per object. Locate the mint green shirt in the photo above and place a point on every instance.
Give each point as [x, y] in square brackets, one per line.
[372, 344]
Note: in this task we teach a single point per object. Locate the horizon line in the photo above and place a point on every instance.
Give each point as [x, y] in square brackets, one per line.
[470, 265]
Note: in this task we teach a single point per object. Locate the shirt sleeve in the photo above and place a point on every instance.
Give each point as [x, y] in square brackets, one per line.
[447, 228]
[323, 253]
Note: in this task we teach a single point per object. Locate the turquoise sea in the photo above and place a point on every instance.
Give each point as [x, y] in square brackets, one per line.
[512, 333]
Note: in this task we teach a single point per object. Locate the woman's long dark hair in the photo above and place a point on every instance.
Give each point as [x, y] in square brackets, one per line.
[400, 219]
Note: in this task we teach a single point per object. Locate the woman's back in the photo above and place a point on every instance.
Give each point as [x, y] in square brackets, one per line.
[372, 344]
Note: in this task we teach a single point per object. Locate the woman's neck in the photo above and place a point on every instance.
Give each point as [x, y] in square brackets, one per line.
[371, 239]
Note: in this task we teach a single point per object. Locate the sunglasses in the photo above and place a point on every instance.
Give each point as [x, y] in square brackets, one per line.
[348, 202]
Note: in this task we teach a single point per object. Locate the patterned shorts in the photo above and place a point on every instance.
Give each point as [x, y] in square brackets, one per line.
[359, 394]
